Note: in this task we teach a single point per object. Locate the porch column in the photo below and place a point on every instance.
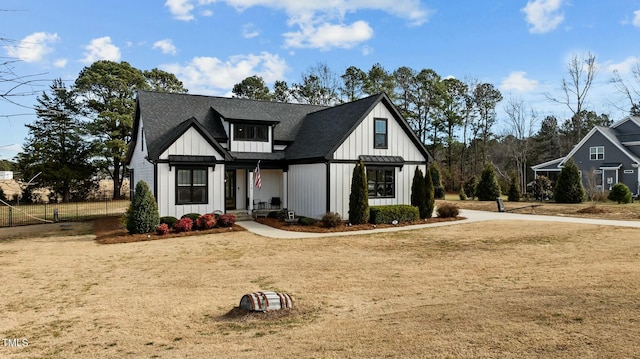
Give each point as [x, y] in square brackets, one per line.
[250, 192]
[285, 186]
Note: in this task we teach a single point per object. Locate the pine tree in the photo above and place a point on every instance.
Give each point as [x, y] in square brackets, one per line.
[142, 215]
[419, 193]
[514, 189]
[359, 196]
[488, 188]
[430, 198]
[57, 147]
[569, 184]
[620, 193]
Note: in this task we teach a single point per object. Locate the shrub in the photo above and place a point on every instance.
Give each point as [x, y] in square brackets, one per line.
[142, 215]
[542, 189]
[227, 220]
[447, 210]
[184, 224]
[331, 220]
[488, 188]
[569, 185]
[620, 193]
[194, 216]
[306, 221]
[430, 195]
[513, 194]
[438, 188]
[359, 196]
[397, 212]
[470, 187]
[169, 220]
[162, 229]
[273, 214]
[419, 192]
[206, 221]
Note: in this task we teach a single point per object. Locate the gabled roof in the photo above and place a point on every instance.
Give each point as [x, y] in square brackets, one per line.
[323, 131]
[161, 113]
[611, 135]
[634, 119]
[311, 131]
[553, 165]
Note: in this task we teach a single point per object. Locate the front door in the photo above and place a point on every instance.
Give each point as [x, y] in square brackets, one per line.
[230, 189]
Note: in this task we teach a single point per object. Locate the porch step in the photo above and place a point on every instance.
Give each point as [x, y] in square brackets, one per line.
[241, 215]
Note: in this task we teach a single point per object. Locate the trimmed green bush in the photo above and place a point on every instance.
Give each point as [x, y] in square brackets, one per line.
[488, 188]
[359, 196]
[431, 202]
[306, 221]
[569, 185]
[169, 221]
[142, 215]
[390, 213]
[331, 220]
[436, 179]
[470, 187]
[447, 210]
[620, 193]
[514, 189]
[419, 192]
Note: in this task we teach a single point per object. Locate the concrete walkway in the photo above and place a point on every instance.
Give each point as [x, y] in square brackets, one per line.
[471, 215]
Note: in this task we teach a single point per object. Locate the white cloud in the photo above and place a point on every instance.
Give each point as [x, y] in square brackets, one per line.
[318, 21]
[166, 46]
[326, 36]
[181, 9]
[210, 75]
[543, 15]
[60, 63]
[517, 81]
[249, 31]
[34, 47]
[624, 67]
[101, 49]
[636, 18]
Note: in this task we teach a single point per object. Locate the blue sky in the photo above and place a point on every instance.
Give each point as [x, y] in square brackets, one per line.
[522, 47]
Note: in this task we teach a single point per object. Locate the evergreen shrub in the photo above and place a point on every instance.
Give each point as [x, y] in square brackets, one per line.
[396, 212]
[142, 215]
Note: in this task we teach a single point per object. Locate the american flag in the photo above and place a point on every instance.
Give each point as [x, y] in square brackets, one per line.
[258, 180]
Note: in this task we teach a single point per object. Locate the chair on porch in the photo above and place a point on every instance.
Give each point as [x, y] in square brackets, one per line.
[275, 202]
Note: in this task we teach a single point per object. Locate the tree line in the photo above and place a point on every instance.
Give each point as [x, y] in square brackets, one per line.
[456, 118]
[82, 131]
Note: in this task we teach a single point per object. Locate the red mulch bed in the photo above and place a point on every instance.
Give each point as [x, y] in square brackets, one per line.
[110, 230]
[317, 228]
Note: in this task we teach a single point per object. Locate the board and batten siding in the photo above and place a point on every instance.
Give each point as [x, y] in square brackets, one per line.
[307, 189]
[142, 169]
[360, 141]
[250, 146]
[190, 143]
[342, 173]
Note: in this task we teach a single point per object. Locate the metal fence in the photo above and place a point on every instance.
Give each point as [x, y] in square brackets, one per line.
[22, 215]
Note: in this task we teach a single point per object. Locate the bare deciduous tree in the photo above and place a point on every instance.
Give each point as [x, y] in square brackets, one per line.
[522, 121]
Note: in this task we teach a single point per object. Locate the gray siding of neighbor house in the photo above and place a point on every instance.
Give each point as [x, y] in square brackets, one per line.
[612, 154]
[628, 127]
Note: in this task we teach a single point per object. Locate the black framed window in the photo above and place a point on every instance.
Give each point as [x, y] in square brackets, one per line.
[245, 132]
[381, 182]
[380, 135]
[191, 186]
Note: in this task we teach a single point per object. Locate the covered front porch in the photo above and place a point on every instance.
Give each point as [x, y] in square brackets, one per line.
[243, 194]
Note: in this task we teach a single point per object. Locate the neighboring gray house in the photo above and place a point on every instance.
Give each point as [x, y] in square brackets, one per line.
[199, 153]
[607, 154]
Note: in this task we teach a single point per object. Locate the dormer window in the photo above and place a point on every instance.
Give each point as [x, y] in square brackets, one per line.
[247, 132]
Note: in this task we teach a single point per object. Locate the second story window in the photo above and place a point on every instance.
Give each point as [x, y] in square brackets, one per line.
[380, 137]
[596, 153]
[245, 132]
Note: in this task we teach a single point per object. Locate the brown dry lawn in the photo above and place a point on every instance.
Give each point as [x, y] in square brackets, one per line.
[504, 289]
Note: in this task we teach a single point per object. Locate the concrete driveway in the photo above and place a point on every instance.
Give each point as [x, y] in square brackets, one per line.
[471, 215]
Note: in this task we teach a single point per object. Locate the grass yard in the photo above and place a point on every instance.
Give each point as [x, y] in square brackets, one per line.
[476, 290]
